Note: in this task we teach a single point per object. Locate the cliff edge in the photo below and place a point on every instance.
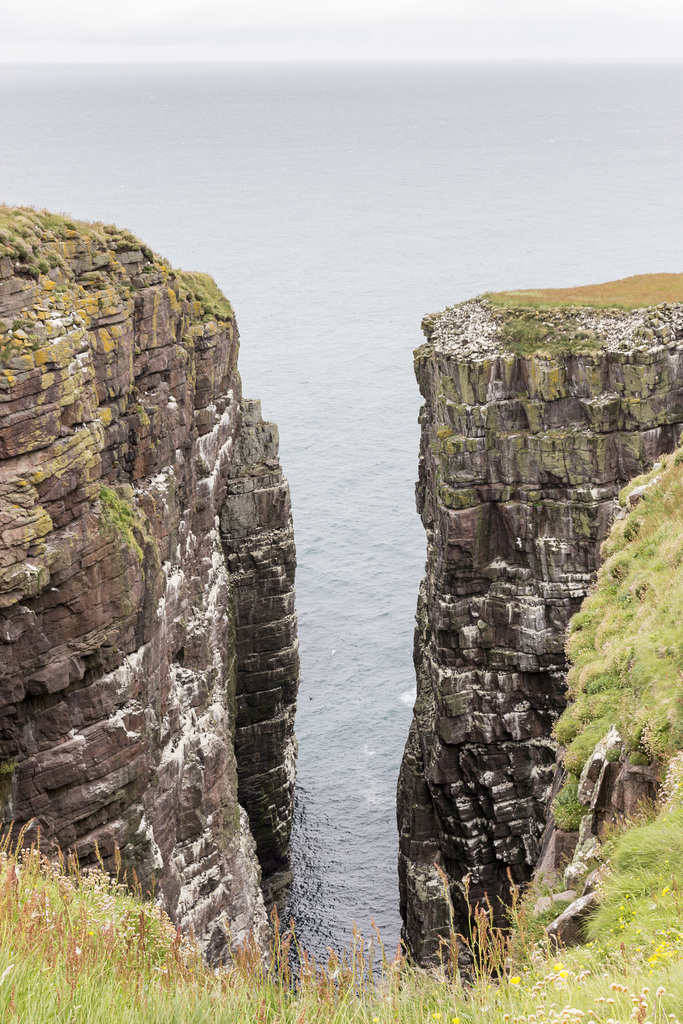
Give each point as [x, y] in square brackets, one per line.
[539, 408]
[148, 649]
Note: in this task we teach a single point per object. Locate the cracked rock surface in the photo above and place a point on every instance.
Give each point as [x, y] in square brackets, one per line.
[148, 650]
[521, 462]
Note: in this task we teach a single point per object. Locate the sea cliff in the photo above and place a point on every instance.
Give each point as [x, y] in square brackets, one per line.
[148, 646]
[535, 417]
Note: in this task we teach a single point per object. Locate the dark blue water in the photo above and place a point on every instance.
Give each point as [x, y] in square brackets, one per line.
[335, 205]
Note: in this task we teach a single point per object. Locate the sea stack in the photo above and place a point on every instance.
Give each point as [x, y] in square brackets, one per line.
[537, 410]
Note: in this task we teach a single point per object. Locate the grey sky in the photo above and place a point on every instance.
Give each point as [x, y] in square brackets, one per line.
[339, 29]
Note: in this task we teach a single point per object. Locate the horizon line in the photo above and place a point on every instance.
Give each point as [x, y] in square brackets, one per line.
[377, 59]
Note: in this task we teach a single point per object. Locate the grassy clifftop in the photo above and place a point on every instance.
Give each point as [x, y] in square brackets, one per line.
[634, 313]
[626, 293]
[73, 263]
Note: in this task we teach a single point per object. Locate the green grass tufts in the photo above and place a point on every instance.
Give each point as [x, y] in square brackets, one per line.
[567, 810]
[120, 515]
[203, 289]
[643, 890]
[78, 947]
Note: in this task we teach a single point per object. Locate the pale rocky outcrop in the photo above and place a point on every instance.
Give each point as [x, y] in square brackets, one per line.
[567, 929]
[611, 789]
[148, 652]
[522, 458]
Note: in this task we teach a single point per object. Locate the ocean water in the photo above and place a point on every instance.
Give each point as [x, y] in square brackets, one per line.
[335, 205]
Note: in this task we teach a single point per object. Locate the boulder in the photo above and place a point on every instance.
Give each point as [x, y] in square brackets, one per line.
[567, 929]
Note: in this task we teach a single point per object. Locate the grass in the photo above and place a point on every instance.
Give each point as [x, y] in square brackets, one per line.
[26, 234]
[567, 810]
[80, 947]
[525, 333]
[625, 645]
[203, 289]
[556, 321]
[123, 517]
[644, 886]
[626, 293]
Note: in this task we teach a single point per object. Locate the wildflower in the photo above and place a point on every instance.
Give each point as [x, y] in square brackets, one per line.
[660, 992]
[558, 966]
[515, 980]
[375, 1020]
[455, 1020]
[436, 1016]
[563, 974]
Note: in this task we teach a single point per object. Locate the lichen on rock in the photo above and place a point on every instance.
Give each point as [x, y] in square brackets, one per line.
[121, 653]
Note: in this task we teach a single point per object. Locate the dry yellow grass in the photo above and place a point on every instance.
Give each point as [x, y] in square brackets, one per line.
[627, 293]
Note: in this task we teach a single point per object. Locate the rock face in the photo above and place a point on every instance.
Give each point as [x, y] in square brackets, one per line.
[522, 456]
[148, 652]
[566, 930]
[258, 541]
[611, 789]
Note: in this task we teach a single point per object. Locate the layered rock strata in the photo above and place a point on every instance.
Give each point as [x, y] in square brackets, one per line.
[258, 541]
[146, 577]
[522, 456]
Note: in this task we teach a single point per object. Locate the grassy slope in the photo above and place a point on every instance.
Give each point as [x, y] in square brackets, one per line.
[627, 293]
[81, 949]
[626, 643]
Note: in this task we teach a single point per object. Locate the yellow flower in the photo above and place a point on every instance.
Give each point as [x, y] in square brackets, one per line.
[558, 966]
[564, 974]
[455, 1020]
[436, 1016]
[514, 981]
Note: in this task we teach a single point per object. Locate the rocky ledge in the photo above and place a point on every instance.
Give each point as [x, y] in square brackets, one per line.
[533, 420]
[148, 649]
